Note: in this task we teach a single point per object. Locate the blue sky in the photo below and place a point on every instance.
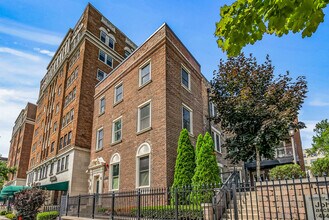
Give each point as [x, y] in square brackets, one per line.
[31, 30]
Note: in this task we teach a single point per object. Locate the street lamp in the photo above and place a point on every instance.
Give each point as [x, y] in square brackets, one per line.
[291, 134]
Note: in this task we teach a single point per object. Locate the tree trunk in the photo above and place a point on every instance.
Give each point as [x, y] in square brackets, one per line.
[258, 164]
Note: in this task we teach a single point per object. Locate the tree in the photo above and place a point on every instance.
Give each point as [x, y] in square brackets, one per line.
[185, 161]
[321, 138]
[253, 108]
[286, 171]
[27, 203]
[206, 171]
[246, 21]
[320, 167]
[4, 172]
[198, 146]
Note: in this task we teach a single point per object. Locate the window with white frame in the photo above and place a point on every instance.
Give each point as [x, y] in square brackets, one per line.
[100, 75]
[99, 139]
[144, 116]
[115, 172]
[213, 109]
[187, 121]
[217, 141]
[105, 58]
[143, 165]
[118, 93]
[145, 74]
[107, 39]
[102, 105]
[117, 130]
[185, 78]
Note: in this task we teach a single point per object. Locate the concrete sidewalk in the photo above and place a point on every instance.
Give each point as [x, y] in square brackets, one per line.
[3, 218]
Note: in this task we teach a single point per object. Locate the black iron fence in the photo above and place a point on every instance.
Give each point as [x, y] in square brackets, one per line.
[301, 198]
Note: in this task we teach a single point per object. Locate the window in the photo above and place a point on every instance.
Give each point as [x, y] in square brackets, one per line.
[111, 43]
[127, 53]
[52, 148]
[59, 89]
[61, 143]
[51, 169]
[100, 75]
[213, 109]
[105, 58]
[102, 105]
[144, 116]
[187, 118]
[67, 162]
[115, 172]
[117, 130]
[69, 137]
[118, 93]
[57, 108]
[217, 141]
[58, 165]
[103, 37]
[99, 141]
[65, 140]
[143, 165]
[145, 74]
[185, 78]
[62, 163]
[55, 126]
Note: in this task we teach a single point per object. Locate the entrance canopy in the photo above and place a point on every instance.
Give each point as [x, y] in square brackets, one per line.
[11, 190]
[62, 186]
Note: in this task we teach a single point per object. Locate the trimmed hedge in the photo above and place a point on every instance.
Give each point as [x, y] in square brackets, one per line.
[47, 215]
[286, 171]
[10, 216]
[168, 212]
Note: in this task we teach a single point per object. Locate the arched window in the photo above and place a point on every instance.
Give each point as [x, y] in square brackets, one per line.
[143, 164]
[107, 38]
[115, 171]
[127, 52]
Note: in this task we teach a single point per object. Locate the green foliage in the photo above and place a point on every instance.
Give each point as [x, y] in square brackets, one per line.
[207, 171]
[255, 108]
[4, 172]
[246, 21]
[28, 201]
[47, 215]
[168, 212]
[286, 171]
[10, 216]
[185, 161]
[4, 212]
[321, 138]
[320, 167]
[198, 146]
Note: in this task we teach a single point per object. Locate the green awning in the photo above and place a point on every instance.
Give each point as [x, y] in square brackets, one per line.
[62, 186]
[10, 190]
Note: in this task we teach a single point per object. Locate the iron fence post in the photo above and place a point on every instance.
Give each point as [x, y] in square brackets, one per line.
[112, 206]
[79, 198]
[236, 215]
[94, 206]
[176, 204]
[214, 205]
[138, 204]
[67, 204]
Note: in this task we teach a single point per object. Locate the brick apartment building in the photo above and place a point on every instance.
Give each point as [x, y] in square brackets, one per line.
[20, 145]
[60, 152]
[140, 109]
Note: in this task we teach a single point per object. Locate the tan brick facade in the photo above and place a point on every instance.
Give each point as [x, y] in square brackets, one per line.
[166, 95]
[20, 144]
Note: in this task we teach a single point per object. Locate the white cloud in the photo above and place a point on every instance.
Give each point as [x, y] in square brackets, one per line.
[19, 53]
[46, 52]
[318, 103]
[307, 133]
[29, 33]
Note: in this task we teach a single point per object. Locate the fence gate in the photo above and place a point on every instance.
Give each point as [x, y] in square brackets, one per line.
[63, 206]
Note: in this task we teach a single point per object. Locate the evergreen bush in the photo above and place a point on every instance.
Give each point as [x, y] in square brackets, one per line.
[286, 171]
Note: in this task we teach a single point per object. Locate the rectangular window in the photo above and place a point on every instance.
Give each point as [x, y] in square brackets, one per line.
[100, 75]
[58, 165]
[51, 169]
[118, 93]
[111, 43]
[67, 162]
[55, 126]
[65, 141]
[61, 143]
[127, 53]
[103, 36]
[62, 163]
[99, 142]
[217, 141]
[187, 118]
[144, 117]
[115, 176]
[52, 147]
[109, 60]
[185, 78]
[145, 74]
[102, 55]
[117, 129]
[144, 171]
[102, 105]
[69, 137]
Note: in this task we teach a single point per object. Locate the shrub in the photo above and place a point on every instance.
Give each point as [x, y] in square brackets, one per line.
[168, 212]
[27, 203]
[47, 215]
[4, 212]
[320, 167]
[286, 171]
[10, 216]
